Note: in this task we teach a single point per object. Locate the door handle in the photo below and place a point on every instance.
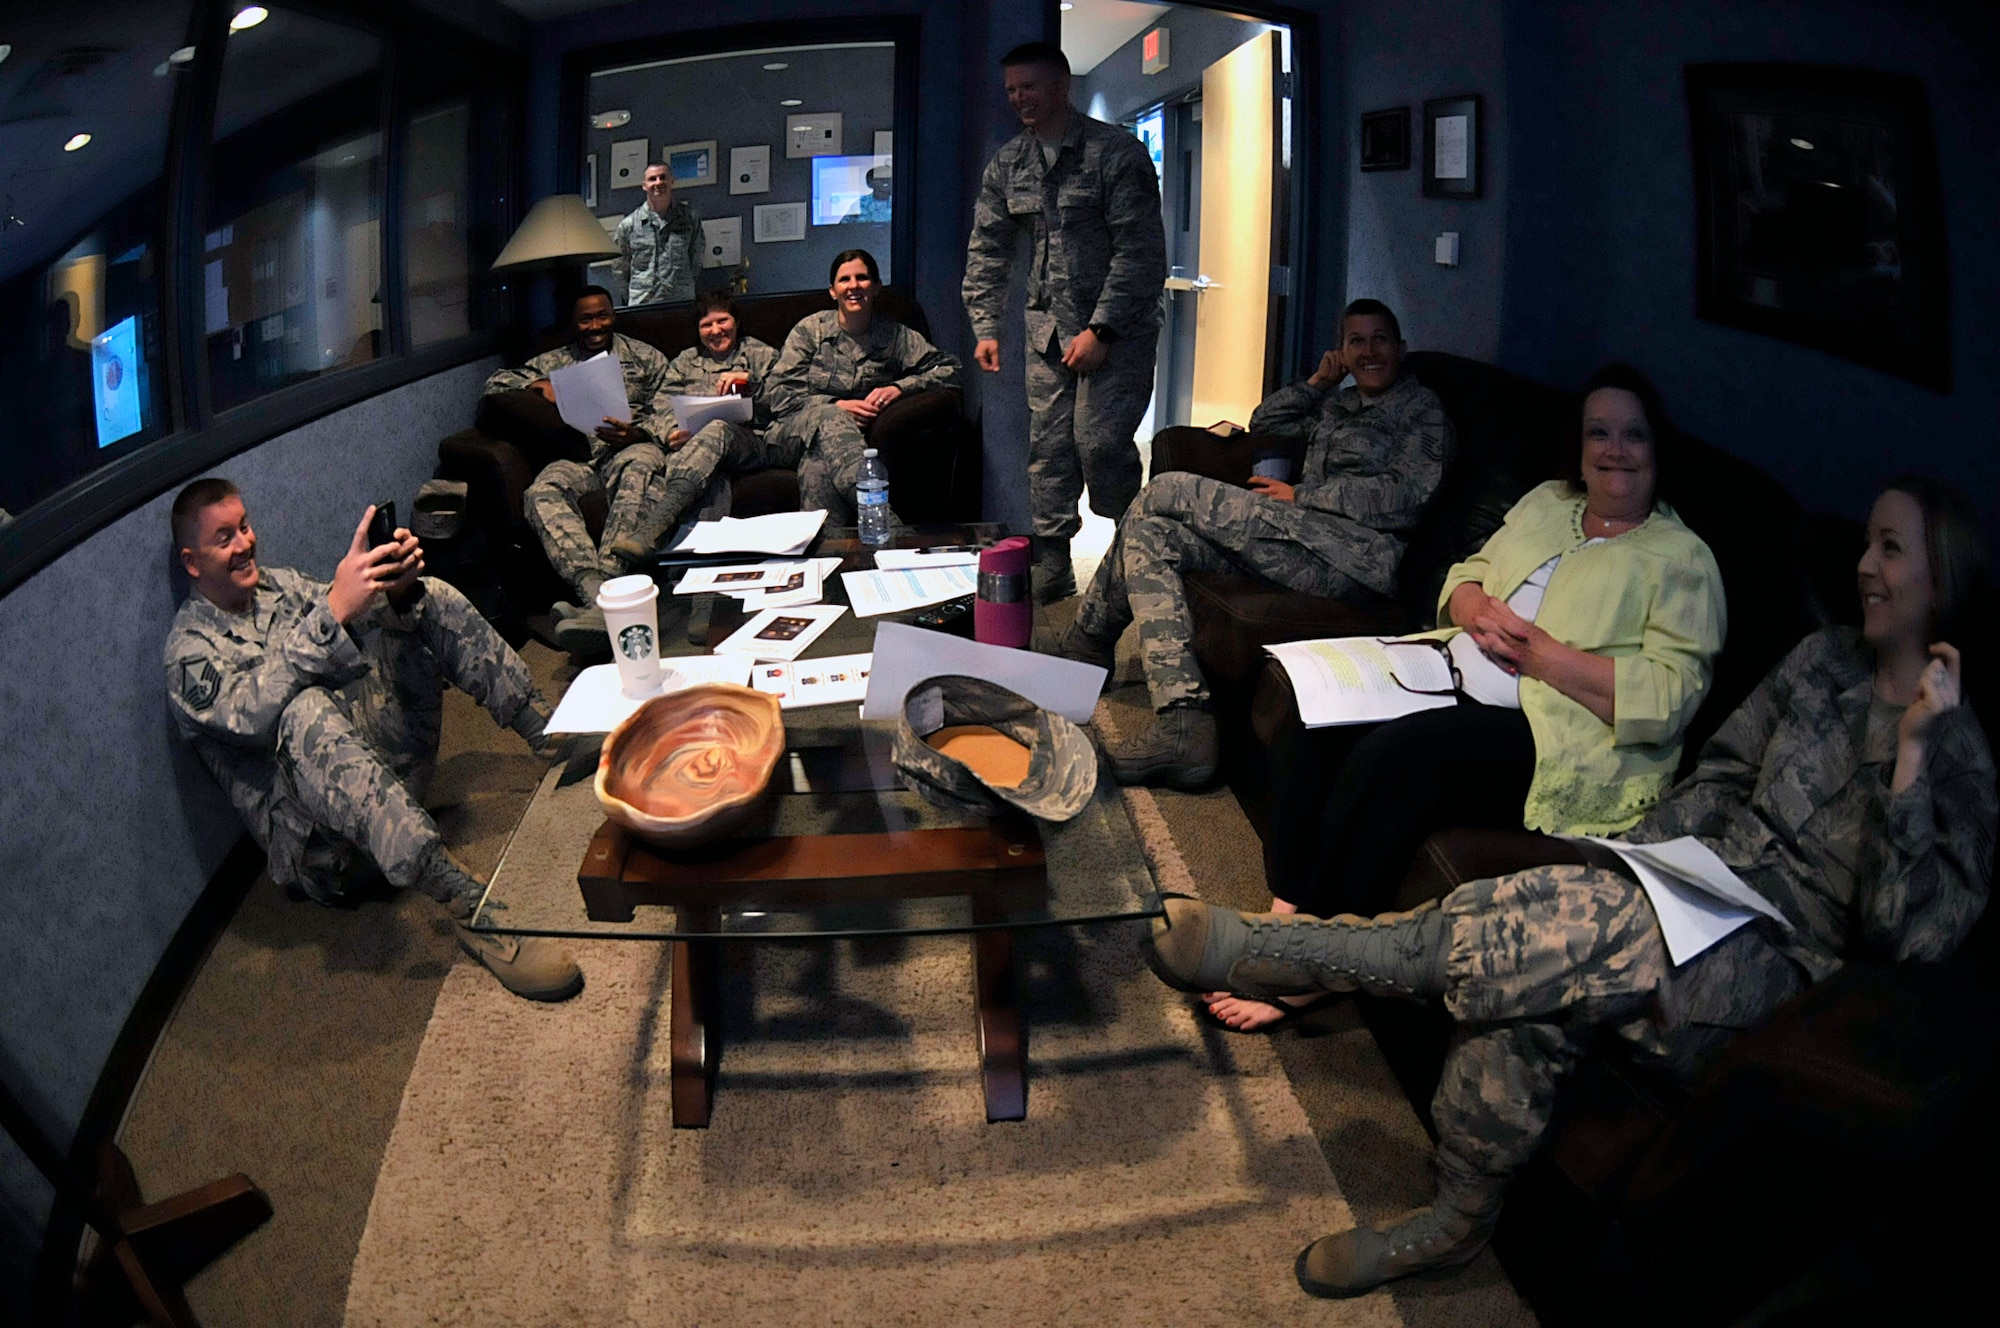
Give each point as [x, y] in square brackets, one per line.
[1196, 284]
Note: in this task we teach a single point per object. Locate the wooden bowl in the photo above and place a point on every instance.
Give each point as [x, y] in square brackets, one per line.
[691, 766]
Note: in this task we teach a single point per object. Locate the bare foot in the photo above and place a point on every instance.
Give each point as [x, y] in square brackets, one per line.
[1247, 1016]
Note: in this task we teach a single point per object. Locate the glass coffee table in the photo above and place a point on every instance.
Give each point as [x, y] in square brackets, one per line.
[842, 850]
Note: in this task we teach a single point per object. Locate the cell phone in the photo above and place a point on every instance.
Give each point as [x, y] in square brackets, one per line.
[382, 526]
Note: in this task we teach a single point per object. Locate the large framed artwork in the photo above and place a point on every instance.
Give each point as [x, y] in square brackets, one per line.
[1818, 214]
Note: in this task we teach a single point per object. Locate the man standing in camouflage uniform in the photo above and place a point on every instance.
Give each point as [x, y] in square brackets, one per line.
[721, 362]
[317, 706]
[1086, 195]
[1375, 455]
[1869, 825]
[659, 243]
[626, 461]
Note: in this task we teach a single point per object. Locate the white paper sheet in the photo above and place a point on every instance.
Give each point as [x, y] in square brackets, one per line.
[1353, 679]
[1449, 157]
[781, 633]
[873, 593]
[810, 682]
[1696, 897]
[595, 703]
[950, 555]
[781, 533]
[734, 578]
[589, 393]
[807, 585]
[691, 413]
[905, 656]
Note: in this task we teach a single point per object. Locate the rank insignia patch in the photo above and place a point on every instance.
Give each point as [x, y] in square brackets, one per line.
[199, 682]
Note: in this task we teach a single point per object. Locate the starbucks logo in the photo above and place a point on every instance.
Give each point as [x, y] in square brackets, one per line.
[636, 642]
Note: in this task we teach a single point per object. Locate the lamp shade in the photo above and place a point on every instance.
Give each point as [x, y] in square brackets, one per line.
[557, 228]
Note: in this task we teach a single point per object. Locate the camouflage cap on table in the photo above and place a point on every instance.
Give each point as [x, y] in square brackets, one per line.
[1062, 761]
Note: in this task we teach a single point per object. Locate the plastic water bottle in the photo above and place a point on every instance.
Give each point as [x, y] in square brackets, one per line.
[871, 499]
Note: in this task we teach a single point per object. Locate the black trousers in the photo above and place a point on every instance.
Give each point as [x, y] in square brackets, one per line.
[1355, 802]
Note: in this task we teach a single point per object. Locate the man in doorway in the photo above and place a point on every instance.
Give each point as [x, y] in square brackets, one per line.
[317, 706]
[1375, 453]
[659, 243]
[626, 462]
[1087, 197]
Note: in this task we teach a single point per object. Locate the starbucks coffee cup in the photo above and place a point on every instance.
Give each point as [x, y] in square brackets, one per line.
[632, 617]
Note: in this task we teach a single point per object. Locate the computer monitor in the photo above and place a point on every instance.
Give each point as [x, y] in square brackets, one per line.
[840, 186]
[114, 377]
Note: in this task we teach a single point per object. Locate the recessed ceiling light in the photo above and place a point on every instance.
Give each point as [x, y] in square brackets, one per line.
[1802, 145]
[76, 141]
[791, 101]
[248, 17]
[777, 64]
[182, 56]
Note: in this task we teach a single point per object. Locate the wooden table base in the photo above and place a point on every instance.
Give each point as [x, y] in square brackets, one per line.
[995, 866]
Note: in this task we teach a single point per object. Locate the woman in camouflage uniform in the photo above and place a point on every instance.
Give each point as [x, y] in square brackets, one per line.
[1853, 791]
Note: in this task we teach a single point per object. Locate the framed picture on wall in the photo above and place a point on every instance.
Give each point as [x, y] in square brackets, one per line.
[590, 180]
[776, 223]
[1385, 139]
[690, 164]
[1818, 214]
[1452, 159]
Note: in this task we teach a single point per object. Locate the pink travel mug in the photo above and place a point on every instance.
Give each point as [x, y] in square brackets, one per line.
[1003, 615]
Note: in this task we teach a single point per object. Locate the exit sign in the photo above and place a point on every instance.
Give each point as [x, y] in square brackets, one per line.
[1153, 50]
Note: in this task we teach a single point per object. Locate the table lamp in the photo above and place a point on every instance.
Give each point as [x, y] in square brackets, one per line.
[558, 229]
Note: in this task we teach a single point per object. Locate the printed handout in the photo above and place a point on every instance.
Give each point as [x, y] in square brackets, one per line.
[782, 633]
[589, 393]
[781, 533]
[695, 413]
[811, 682]
[873, 593]
[596, 703]
[1364, 679]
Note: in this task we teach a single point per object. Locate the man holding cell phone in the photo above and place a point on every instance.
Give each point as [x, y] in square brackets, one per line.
[317, 706]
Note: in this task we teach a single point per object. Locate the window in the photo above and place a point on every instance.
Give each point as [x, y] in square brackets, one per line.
[437, 188]
[292, 255]
[785, 154]
[83, 149]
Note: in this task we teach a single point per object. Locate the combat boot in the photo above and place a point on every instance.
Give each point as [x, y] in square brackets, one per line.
[583, 633]
[1178, 749]
[1051, 578]
[1089, 648]
[1452, 1231]
[532, 724]
[530, 967]
[1199, 947]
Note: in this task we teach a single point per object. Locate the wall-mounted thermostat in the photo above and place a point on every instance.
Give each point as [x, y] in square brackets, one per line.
[1447, 249]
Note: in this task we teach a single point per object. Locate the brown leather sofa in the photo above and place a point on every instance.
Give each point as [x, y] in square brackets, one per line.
[933, 451]
[1806, 1179]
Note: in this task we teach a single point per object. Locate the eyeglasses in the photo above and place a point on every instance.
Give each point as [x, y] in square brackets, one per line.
[1443, 649]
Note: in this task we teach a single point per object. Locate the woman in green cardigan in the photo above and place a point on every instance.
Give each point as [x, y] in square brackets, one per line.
[1582, 635]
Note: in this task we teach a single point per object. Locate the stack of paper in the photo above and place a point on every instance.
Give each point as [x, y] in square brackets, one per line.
[1364, 679]
[811, 682]
[589, 393]
[783, 533]
[693, 413]
[910, 588]
[595, 703]
[760, 586]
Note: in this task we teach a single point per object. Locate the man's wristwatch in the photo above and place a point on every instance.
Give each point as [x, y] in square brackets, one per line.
[1103, 333]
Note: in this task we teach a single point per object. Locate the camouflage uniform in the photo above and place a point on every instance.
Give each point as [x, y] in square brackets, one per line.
[821, 365]
[1544, 963]
[1370, 468]
[701, 466]
[554, 502]
[325, 738]
[1097, 258]
[657, 256]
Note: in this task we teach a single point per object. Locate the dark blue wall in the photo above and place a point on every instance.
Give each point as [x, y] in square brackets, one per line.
[1119, 86]
[1600, 233]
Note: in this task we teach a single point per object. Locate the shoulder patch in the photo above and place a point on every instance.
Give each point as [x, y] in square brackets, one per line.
[198, 681]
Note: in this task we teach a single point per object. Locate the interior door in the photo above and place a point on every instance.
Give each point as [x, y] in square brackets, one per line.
[1238, 138]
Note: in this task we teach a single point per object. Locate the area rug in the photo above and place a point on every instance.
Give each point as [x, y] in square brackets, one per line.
[1164, 1175]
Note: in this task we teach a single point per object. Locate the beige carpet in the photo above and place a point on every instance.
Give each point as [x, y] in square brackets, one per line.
[849, 1176]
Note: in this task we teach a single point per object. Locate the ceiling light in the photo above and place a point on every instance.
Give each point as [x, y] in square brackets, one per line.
[182, 56]
[777, 64]
[1830, 184]
[76, 141]
[791, 101]
[1802, 145]
[248, 17]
